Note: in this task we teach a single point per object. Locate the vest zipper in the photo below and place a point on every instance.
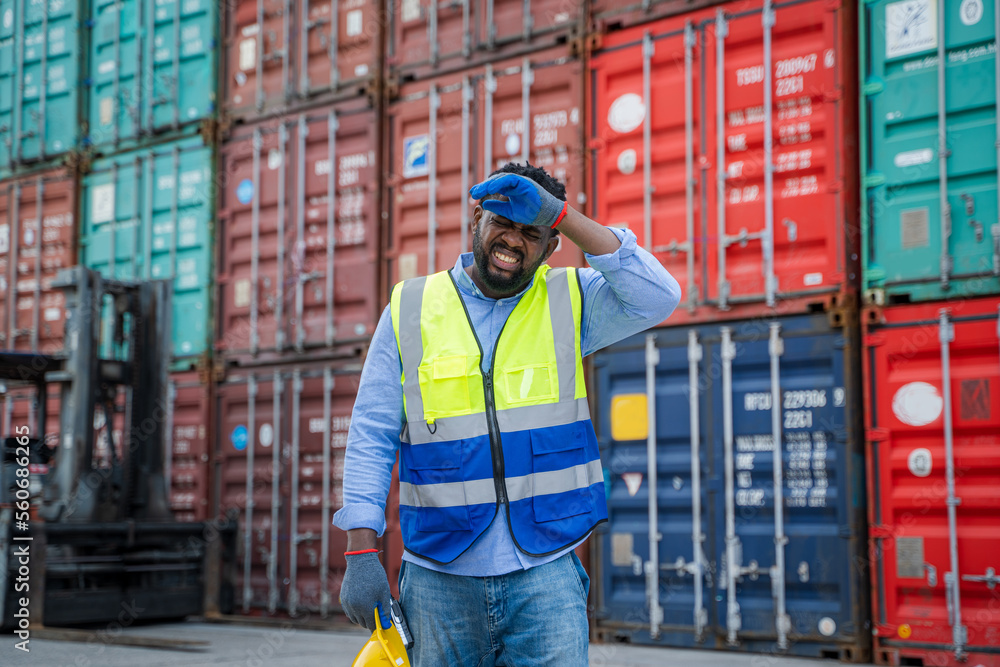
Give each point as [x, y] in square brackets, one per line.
[494, 429]
[496, 447]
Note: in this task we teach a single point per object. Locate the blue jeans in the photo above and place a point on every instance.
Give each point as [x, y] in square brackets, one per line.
[527, 618]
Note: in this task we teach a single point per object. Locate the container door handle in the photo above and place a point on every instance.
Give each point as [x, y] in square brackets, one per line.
[990, 578]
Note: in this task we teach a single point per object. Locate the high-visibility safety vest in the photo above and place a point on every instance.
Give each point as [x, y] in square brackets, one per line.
[519, 435]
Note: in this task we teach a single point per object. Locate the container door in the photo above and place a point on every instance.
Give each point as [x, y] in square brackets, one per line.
[936, 413]
[532, 113]
[334, 239]
[187, 446]
[258, 43]
[785, 526]
[931, 161]
[337, 44]
[776, 118]
[250, 415]
[654, 501]
[37, 239]
[147, 215]
[321, 405]
[38, 81]
[430, 133]
[637, 104]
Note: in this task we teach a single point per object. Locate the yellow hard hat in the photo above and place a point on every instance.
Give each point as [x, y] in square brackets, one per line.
[385, 647]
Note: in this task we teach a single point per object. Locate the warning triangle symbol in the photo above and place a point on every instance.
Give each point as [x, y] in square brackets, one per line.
[633, 480]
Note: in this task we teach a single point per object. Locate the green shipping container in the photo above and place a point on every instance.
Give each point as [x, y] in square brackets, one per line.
[148, 214]
[39, 68]
[929, 223]
[152, 68]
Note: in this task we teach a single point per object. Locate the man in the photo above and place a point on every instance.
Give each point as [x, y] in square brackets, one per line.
[475, 376]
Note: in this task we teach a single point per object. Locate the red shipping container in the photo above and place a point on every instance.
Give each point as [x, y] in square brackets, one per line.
[429, 38]
[288, 282]
[478, 125]
[187, 468]
[281, 434]
[32, 314]
[749, 227]
[932, 382]
[270, 67]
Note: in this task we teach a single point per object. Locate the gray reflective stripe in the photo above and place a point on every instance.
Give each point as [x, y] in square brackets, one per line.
[556, 481]
[563, 331]
[445, 429]
[448, 494]
[543, 416]
[480, 491]
[411, 345]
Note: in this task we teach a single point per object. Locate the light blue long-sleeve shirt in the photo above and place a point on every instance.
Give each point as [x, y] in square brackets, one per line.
[624, 293]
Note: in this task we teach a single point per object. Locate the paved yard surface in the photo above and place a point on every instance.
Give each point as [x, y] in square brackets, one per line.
[286, 646]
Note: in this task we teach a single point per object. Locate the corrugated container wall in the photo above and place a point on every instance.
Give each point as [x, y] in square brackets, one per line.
[281, 54]
[149, 214]
[152, 69]
[932, 393]
[727, 144]
[37, 238]
[460, 128]
[427, 38]
[930, 217]
[732, 572]
[188, 435]
[280, 463]
[298, 235]
[39, 86]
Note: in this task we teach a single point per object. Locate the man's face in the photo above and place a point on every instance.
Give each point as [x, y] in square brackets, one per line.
[507, 254]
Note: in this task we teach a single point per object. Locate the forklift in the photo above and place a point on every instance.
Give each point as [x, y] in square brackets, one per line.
[86, 531]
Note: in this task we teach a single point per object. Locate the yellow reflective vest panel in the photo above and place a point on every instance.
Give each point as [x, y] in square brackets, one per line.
[517, 435]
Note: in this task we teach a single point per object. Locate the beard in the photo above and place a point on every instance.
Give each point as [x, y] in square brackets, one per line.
[504, 283]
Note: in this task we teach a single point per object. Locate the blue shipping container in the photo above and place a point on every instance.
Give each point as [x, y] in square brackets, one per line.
[152, 68]
[39, 63]
[727, 574]
[148, 214]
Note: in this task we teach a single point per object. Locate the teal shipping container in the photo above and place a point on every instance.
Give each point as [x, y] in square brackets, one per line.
[39, 69]
[152, 69]
[929, 155]
[148, 214]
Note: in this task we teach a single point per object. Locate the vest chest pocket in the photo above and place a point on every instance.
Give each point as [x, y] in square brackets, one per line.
[531, 385]
[444, 385]
[559, 466]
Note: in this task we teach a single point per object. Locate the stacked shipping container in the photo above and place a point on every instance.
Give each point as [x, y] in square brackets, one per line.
[105, 166]
[932, 343]
[724, 138]
[295, 282]
[724, 135]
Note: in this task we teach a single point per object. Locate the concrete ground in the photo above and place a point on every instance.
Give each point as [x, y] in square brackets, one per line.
[286, 646]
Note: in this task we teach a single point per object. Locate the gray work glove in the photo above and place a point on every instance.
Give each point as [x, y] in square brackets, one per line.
[528, 203]
[365, 586]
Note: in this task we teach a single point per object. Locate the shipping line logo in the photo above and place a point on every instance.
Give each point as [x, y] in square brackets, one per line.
[415, 150]
[910, 27]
